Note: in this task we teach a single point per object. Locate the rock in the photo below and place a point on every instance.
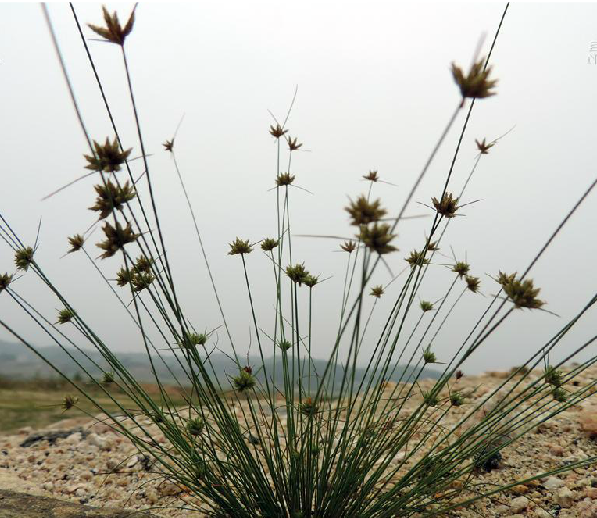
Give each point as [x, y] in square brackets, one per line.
[565, 497]
[20, 505]
[553, 483]
[588, 423]
[519, 504]
[556, 451]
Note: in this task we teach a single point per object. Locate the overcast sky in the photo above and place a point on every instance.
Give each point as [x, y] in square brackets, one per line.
[375, 91]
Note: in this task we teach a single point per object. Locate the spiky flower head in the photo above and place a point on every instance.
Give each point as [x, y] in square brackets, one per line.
[244, 381]
[432, 246]
[372, 176]
[559, 394]
[5, 280]
[240, 247]
[169, 145]
[522, 293]
[349, 246]
[284, 345]
[476, 84]
[112, 197]
[76, 243]
[459, 374]
[472, 283]
[268, 244]
[193, 339]
[456, 398]
[461, 268]
[311, 280]
[195, 426]
[553, 376]
[284, 179]
[142, 280]
[108, 378]
[377, 291]
[107, 158]
[143, 264]
[292, 144]
[377, 238]
[362, 211]
[417, 259]
[429, 357]
[65, 316]
[297, 273]
[116, 238]
[426, 306]
[113, 32]
[430, 398]
[308, 407]
[447, 206]
[483, 146]
[69, 402]
[277, 131]
[24, 258]
[124, 276]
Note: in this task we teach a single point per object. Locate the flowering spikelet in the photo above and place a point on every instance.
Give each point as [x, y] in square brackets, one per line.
[429, 357]
[24, 258]
[311, 280]
[169, 145]
[277, 131]
[240, 247]
[284, 345]
[143, 264]
[461, 268]
[191, 340]
[195, 426]
[308, 407]
[553, 376]
[107, 158]
[522, 293]
[268, 244]
[124, 276]
[377, 238]
[284, 179]
[69, 402]
[372, 176]
[76, 243]
[297, 273]
[5, 280]
[112, 197]
[417, 259]
[456, 398]
[244, 381]
[65, 316]
[484, 147]
[362, 211]
[472, 283]
[142, 281]
[116, 238]
[476, 83]
[447, 206]
[113, 32]
[426, 306]
[108, 378]
[432, 246]
[349, 246]
[377, 291]
[292, 144]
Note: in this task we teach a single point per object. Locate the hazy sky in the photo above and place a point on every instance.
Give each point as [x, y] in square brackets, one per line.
[375, 91]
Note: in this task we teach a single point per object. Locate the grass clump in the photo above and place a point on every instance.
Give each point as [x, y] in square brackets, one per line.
[298, 440]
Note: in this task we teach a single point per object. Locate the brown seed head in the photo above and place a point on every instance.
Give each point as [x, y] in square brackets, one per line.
[116, 238]
[378, 238]
[461, 268]
[417, 259]
[240, 247]
[107, 158]
[124, 276]
[268, 244]
[472, 283]
[113, 32]
[363, 211]
[24, 258]
[292, 144]
[284, 179]
[447, 206]
[349, 246]
[5, 280]
[76, 243]
[476, 84]
[377, 291]
[297, 273]
[277, 131]
[112, 197]
[169, 145]
[522, 293]
[372, 176]
[69, 402]
[484, 147]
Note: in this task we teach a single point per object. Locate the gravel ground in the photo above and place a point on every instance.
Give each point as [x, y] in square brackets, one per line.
[85, 461]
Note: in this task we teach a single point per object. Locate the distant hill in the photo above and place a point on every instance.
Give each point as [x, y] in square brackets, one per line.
[16, 361]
